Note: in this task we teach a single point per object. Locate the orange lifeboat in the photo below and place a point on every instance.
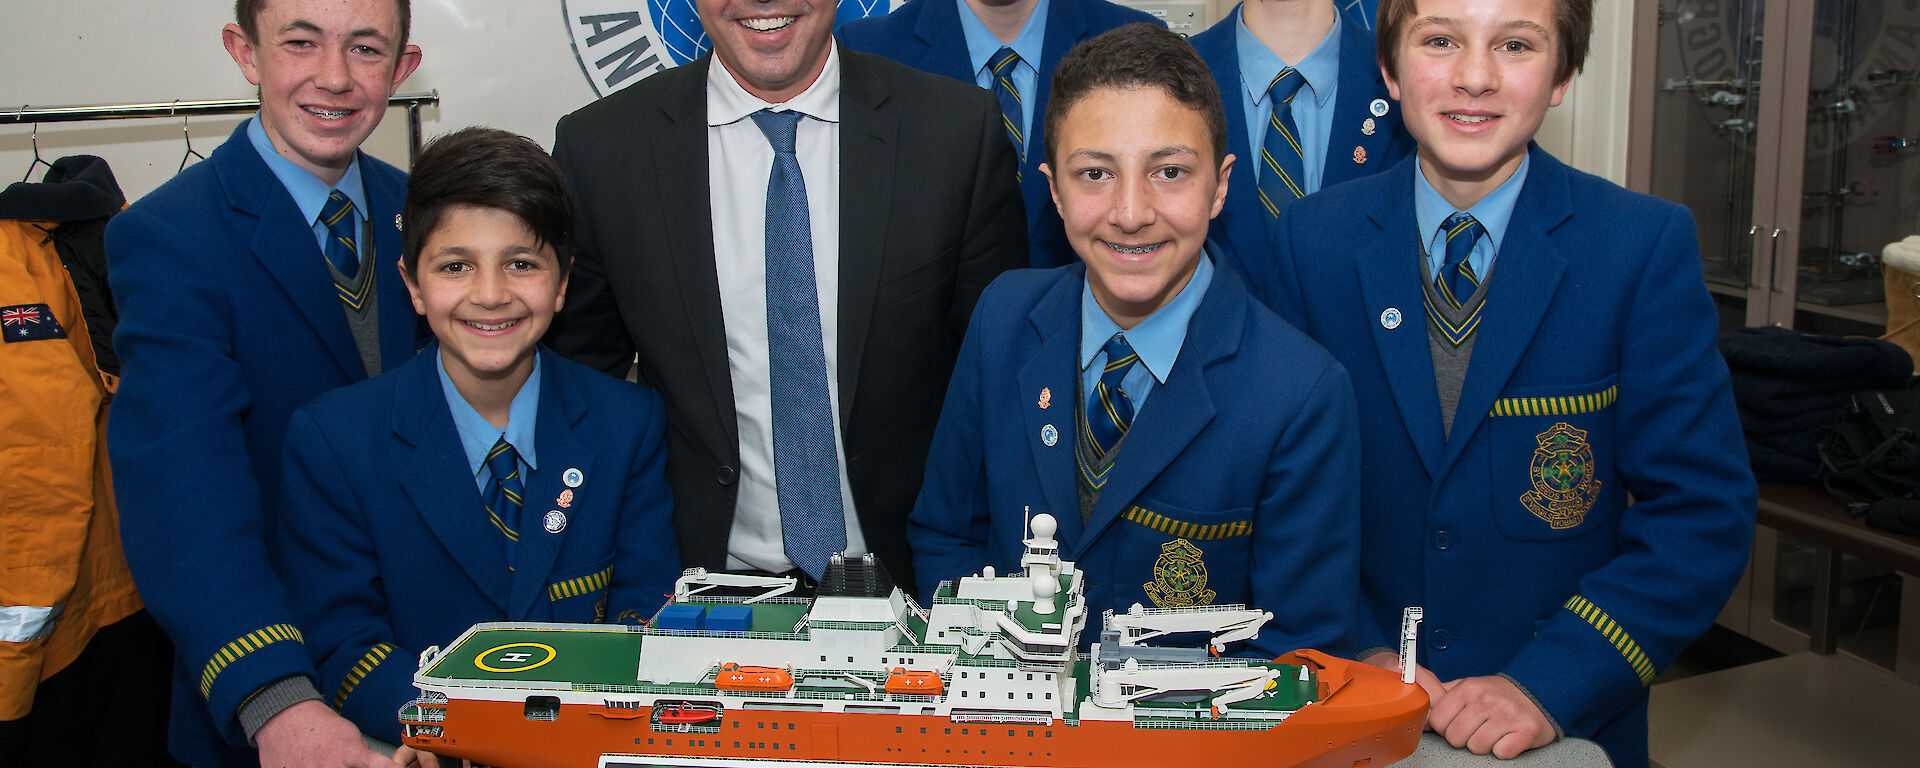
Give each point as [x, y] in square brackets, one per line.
[916, 681]
[733, 677]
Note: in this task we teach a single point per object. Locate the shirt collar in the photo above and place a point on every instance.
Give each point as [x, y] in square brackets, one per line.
[1259, 65]
[308, 191]
[727, 102]
[1158, 338]
[477, 436]
[982, 45]
[1493, 211]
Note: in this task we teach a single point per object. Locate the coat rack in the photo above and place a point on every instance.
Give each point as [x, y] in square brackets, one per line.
[28, 114]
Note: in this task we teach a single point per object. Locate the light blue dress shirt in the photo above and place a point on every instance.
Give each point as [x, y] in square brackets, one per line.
[982, 45]
[1493, 212]
[1312, 117]
[1156, 340]
[309, 192]
[477, 436]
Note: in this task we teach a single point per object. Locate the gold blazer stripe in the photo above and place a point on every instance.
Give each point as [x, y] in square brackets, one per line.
[580, 586]
[247, 643]
[1188, 531]
[375, 655]
[1555, 406]
[1614, 633]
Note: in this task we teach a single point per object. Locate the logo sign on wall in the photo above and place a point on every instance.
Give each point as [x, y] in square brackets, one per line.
[620, 42]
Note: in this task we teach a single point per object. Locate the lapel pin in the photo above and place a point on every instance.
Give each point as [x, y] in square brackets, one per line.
[1390, 318]
[396, 222]
[1049, 435]
[1367, 127]
[1360, 154]
[1378, 107]
[1046, 398]
[555, 521]
[573, 477]
[566, 499]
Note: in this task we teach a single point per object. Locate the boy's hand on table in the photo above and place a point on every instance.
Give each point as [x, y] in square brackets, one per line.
[1489, 715]
[308, 734]
[1421, 675]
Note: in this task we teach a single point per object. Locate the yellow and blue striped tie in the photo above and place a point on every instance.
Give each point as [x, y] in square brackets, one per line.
[1109, 410]
[342, 250]
[1282, 175]
[1002, 65]
[1456, 280]
[503, 493]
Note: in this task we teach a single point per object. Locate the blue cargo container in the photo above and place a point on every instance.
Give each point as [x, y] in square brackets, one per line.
[680, 617]
[730, 618]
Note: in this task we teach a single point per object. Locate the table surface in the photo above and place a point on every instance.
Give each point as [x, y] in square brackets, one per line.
[1808, 512]
[1435, 752]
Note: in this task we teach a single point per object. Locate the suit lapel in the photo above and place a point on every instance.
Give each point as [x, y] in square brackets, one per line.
[439, 481]
[1067, 26]
[398, 324]
[1390, 279]
[1242, 223]
[1053, 367]
[938, 28]
[689, 214]
[559, 450]
[294, 262]
[1360, 84]
[1525, 275]
[867, 146]
[1179, 409]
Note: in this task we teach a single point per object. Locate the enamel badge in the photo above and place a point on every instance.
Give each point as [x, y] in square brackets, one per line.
[1359, 154]
[566, 498]
[1046, 398]
[555, 521]
[573, 477]
[1378, 107]
[1367, 127]
[1049, 435]
[1390, 318]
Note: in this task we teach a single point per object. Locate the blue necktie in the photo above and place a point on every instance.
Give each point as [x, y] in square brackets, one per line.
[1109, 410]
[1282, 179]
[337, 215]
[806, 468]
[503, 493]
[1456, 280]
[1002, 64]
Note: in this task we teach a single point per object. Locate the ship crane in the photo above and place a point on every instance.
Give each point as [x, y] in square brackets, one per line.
[1225, 623]
[694, 581]
[1134, 681]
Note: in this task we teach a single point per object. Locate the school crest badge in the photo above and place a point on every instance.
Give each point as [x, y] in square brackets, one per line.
[1564, 487]
[1179, 576]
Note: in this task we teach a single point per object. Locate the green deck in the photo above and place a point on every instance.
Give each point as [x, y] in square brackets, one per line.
[586, 654]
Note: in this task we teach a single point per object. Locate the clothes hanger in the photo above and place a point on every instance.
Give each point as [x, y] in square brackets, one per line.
[192, 154]
[37, 162]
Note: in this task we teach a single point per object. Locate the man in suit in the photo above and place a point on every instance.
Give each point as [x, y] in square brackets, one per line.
[487, 479]
[1193, 448]
[970, 41]
[241, 299]
[792, 236]
[1532, 349]
[1339, 124]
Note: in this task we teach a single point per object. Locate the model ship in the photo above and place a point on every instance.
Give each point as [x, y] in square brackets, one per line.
[735, 670]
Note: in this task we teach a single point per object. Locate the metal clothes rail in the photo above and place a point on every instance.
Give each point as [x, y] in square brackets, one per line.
[29, 114]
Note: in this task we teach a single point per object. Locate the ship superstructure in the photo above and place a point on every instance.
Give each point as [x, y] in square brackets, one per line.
[736, 670]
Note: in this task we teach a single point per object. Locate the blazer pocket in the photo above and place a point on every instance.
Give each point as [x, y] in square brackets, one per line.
[1550, 467]
[578, 594]
[917, 279]
[1171, 556]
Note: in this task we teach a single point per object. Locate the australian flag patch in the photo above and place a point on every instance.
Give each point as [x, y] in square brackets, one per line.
[29, 322]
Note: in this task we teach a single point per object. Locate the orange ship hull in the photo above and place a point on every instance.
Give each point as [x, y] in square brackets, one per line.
[1369, 718]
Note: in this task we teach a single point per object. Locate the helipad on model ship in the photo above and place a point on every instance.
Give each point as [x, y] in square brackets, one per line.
[735, 670]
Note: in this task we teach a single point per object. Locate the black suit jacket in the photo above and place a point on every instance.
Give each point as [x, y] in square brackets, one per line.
[929, 214]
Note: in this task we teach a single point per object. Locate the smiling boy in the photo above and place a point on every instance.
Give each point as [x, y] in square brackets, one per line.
[1194, 448]
[247, 285]
[1496, 494]
[487, 479]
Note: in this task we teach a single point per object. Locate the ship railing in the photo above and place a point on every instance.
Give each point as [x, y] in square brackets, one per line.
[656, 631]
[1225, 663]
[537, 627]
[422, 712]
[543, 714]
[946, 650]
[1028, 718]
[627, 688]
[1191, 609]
[733, 600]
[851, 625]
[1183, 724]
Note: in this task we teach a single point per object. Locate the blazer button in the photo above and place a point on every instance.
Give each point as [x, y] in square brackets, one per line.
[1442, 540]
[1440, 640]
[726, 475]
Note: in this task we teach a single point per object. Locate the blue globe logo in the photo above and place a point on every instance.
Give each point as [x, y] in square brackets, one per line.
[685, 40]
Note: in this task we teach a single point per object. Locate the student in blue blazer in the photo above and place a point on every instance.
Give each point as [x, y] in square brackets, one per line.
[1347, 125]
[1573, 507]
[232, 314]
[487, 479]
[1194, 448]
[962, 39]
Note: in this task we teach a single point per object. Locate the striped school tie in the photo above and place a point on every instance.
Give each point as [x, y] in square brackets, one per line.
[1456, 280]
[503, 493]
[342, 250]
[806, 469]
[1282, 178]
[1110, 411]
[1002, 64]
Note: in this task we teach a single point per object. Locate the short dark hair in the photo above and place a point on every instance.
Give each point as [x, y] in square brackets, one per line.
[486, 168]
[1137, 56]
[1573, 20]
[246, 13]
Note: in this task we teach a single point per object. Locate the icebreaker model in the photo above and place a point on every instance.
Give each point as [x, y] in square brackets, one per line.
[735, 672]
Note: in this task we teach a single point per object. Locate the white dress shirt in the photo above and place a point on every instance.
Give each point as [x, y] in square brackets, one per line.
[739, 163]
